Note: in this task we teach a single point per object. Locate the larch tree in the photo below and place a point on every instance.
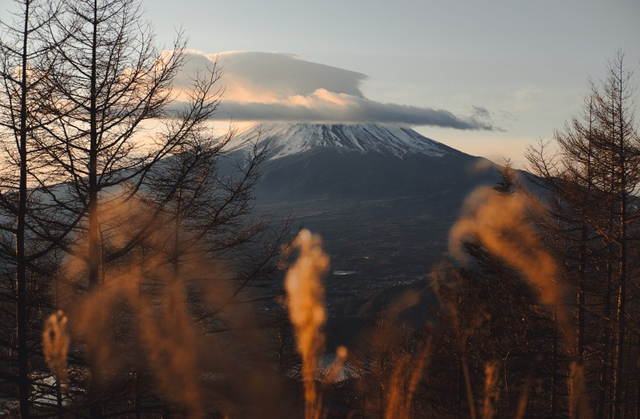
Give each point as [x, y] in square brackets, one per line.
[110, 164]
[108, 124]
[23, 43]
[615, 113]
[592, 183]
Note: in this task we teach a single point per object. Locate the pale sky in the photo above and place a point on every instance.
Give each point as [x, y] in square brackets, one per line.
[511, 70]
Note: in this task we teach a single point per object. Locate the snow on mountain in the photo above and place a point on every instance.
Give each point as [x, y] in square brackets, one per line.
[285, 139]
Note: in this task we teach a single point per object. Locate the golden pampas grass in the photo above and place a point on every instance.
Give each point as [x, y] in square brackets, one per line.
[404, 383]
[491, 390]
[55, 344]
[305, 303]
[499, 222]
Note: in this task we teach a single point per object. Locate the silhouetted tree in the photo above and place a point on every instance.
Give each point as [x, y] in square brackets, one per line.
[591, 184]
[99, 78]
[22, 45]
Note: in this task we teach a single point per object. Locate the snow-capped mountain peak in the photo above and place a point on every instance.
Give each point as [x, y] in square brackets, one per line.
[285, 139]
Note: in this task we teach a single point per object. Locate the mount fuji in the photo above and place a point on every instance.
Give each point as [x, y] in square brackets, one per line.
[289, 139]
[382, 197]
[336, 162]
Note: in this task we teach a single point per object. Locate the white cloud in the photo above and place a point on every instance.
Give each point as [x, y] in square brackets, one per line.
[262, 86]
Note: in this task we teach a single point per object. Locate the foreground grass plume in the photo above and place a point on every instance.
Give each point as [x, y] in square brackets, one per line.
[55, 344]
[307, 312]
[491, 390]
[499, 222]
[404, 383]
[165, 330]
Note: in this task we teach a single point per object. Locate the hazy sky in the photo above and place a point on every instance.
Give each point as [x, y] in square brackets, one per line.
[513, 70]
[526, 62]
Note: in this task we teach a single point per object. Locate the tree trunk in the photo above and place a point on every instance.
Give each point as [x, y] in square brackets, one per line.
[606, 349]
[619, 125]
[21, 273]
[95, 390]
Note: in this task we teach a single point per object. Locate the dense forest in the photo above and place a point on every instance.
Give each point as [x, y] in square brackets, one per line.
[136, 279]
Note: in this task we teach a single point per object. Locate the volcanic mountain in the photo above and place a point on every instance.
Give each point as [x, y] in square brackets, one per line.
[382, 197]
[358, 162]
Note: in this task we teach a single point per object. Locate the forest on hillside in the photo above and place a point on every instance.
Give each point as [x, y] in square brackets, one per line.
[138, 281]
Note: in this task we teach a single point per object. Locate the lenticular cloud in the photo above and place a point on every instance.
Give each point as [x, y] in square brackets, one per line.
[261, 86]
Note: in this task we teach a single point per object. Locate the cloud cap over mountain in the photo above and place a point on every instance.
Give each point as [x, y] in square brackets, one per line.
[261, 86]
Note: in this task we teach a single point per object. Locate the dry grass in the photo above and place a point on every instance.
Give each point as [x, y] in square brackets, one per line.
[307, 312]
[168, 333]
[55, 343]
[404, 383]
[499, 222]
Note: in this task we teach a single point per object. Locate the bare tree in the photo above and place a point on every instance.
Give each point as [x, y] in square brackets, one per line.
[592, 181]
[22, 45]
[106, 81]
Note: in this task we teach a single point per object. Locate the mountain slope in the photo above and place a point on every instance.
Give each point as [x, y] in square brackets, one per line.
[332, 162]
[383, 198]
